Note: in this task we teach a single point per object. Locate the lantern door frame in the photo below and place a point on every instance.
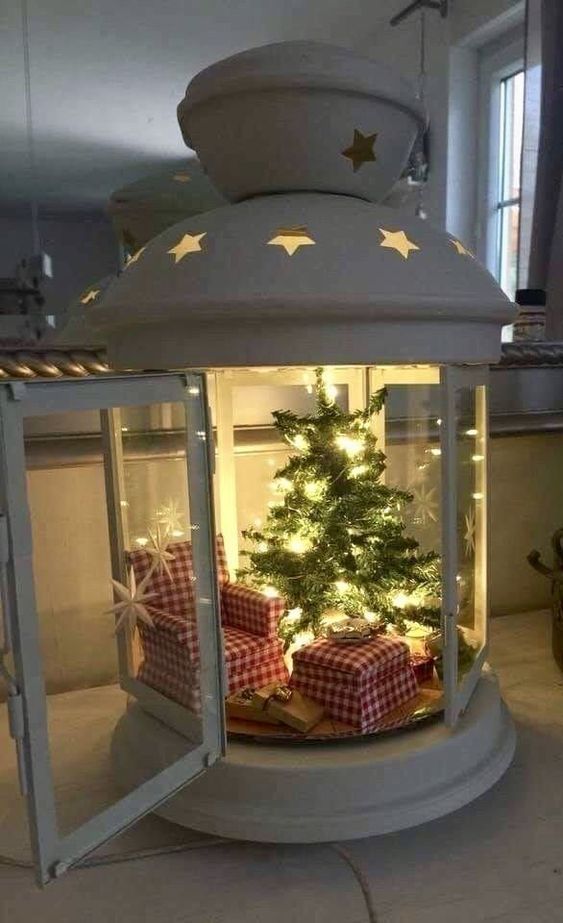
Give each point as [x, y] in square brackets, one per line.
[54, 853]
[457, 689]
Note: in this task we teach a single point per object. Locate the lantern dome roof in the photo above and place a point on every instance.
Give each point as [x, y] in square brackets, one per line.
[142, 209]
[302, 278]
[301, 116]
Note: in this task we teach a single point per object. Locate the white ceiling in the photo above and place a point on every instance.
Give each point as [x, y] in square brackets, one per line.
[107, 76]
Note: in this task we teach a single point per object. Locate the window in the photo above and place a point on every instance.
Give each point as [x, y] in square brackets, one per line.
[511, 119]
[501, 126]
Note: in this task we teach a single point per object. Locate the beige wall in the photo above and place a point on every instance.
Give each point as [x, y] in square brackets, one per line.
[72, 576]
[526, 503]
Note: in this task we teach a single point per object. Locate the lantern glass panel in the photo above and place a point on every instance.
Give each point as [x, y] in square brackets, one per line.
[93, 671]
[471, 461]
[263, 507]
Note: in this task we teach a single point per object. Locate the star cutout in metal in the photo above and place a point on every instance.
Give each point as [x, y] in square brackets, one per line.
[398, 240]
[157, 550]
[361, 150]
[190, 243]
[132, 606]
[134, 258]
[463, 251]
[292, 238]
[90, 296]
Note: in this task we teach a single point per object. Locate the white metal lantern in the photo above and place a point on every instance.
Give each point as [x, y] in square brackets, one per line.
[306, 272]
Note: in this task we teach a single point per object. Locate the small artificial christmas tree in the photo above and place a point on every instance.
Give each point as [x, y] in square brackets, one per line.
[335, 540]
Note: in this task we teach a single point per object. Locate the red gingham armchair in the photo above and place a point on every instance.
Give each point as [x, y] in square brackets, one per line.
[253, 651]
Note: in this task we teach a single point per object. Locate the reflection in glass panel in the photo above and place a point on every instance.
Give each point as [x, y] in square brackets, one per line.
[471, 525]
[106, 644]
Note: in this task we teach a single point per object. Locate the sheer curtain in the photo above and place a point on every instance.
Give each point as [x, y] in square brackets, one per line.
[545, 25]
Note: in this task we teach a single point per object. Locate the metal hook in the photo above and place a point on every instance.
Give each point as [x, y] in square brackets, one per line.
[440, 5]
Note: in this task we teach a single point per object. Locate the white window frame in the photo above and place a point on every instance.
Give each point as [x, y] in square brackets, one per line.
[499, 60]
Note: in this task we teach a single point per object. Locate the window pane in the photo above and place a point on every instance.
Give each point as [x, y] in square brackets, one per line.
[509, 219]
[512, 112]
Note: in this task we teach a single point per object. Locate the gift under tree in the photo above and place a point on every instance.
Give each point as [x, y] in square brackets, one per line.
[335, 540]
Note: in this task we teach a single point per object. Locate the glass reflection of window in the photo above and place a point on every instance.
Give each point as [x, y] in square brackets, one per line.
[511, 118]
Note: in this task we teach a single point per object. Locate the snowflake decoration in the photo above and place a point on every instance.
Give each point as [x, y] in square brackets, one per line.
[158, 551]
[469, 537]
[425, 505]
[170, 516]
[132, 606]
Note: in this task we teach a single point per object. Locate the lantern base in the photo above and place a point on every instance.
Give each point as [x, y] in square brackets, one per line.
[329, 792]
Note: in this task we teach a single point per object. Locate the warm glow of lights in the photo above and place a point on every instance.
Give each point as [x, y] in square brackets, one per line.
[176, 533]
[293, 615]
[309, 389]
[370, 616]
[350, 445]
[435, 451]
[298, 442]
[257, 522]
[301, 639]
[124, 503]
[341, 586]
[270, 592]
[400, 600]
[271, 463]
[477, 458]
[262, 546]
[142, 541]
[273, 503]
[298, 545]
[477, 496]
[193, 390]
[358, 470]
[332, 392]
[471, 432]
[124, 429]
[313, 489]
[439, 421]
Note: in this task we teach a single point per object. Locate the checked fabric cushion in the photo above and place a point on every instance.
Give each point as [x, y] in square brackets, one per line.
[359, 683]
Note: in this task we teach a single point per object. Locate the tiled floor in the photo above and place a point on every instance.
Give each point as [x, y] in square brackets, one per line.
[500, 860]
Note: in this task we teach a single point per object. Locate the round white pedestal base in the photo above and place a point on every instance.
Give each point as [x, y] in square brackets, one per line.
[314, 793]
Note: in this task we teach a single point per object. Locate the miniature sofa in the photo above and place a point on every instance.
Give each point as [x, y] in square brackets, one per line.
[253, 652]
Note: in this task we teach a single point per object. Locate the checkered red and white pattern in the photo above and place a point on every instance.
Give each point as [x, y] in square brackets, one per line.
[253, 653]
[357, 684]
[423, 666]
[248, 609]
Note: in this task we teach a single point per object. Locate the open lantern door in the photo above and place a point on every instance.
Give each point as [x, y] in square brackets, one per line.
[167, 512]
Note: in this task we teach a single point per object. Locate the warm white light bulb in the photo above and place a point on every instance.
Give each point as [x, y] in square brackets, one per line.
[358, 470]
[142, 541]
[298, 545]
[352, 446]
[435, 451]
[313, 489]
[270, 592]
[471, 432]
[400, 600]
[477, 458]
[341, 586]
[298, 442]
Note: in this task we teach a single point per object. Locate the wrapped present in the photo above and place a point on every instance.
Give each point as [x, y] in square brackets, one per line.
[289, 706]
[357, 684]
[241, 705]
[423, 666]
